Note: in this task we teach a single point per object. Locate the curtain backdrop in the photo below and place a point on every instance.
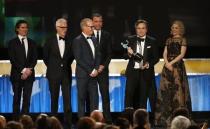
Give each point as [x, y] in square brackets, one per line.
[40, 99]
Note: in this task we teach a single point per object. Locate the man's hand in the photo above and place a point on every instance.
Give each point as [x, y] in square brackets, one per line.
[101, 68]
[24, 76]
[26, 73]
[130, 51]
[94, 73]
[145, 66]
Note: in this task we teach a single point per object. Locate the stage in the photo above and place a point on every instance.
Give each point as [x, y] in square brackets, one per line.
[198, 71]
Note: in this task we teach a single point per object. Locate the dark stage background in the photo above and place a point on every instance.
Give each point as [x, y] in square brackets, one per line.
[119, 19]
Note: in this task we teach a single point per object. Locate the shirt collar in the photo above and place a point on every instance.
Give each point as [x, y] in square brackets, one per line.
[20, 37]
[144, 37]
[85, 35]
[95, 31]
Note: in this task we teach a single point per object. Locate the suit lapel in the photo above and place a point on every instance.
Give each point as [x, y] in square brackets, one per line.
[65, 49]
[145, 49]
[29, 47]
[134, 44]
[101, 38]
[95, 43]
[21, 47]
[88, 46]
[55, 41]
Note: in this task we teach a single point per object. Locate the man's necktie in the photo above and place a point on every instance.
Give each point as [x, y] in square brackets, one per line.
[97, 36]
[23, 46]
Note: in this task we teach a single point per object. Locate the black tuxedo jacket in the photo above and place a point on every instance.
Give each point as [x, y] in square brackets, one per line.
[105, 48]
[150, 54]
[18, 58]
[57, 67]
[84, 56]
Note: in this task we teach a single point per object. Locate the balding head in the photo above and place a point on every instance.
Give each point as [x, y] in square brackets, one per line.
[2, 122]
[180, 122]
[97, 116]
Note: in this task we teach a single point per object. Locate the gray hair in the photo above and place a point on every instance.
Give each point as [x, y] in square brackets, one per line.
[180, 122]
[60, 21]
[84, 22]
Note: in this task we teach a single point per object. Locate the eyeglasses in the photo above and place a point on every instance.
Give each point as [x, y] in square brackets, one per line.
[63, 27]
[92, 27]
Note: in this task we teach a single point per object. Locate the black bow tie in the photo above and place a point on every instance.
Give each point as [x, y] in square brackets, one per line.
[61, 38]
[140, 39]
[89, 37]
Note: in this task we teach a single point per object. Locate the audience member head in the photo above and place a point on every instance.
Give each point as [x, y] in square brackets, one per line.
[86, 123]
[42, 122]
[14, 125]
[27, 122]
[99, 125]
[110, 127]
[97, 116]
[193, 127]
[55, 123]
[180, 122]
[123, 123]
[2, 122]
[128, 114]
[181, 111]
[141, 119]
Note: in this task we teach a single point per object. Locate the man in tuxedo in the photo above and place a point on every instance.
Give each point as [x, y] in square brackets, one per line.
[57, 56]
[104, 40]
[140, 83]
[87, 55]
[23, 57]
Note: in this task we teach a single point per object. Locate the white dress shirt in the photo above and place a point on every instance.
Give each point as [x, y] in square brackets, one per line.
[95, 33]
[90, 42]
[25, 43]
[139, 65]
[61, 45]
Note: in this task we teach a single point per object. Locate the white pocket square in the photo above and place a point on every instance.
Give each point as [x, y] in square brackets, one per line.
[148, 46]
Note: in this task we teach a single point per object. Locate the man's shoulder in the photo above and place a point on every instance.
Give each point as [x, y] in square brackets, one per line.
[50, 39]
[78, 38]
[131, 36]
[105, 32]
[13, 42]
[31, 40]
[151, 38]
[15, 39]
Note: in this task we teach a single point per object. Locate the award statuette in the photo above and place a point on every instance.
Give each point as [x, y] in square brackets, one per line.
[137, 57]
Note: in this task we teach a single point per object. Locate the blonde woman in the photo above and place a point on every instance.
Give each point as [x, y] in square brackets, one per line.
[174, 88]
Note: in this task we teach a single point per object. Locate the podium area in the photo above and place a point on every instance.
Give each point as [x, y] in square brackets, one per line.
[198, 71]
